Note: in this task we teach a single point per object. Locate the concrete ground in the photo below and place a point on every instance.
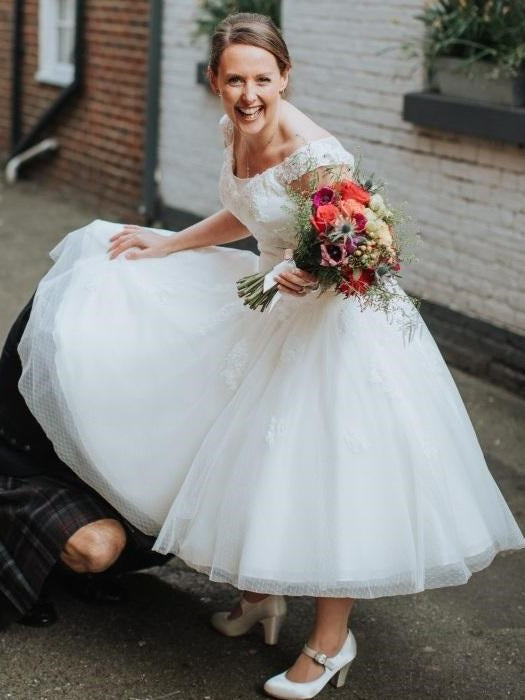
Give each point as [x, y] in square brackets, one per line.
[466, 642]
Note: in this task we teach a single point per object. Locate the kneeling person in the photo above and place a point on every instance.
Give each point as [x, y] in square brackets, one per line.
[48, 516]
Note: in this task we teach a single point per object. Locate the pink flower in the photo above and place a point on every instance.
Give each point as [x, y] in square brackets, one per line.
[333, 255]
[325, 195]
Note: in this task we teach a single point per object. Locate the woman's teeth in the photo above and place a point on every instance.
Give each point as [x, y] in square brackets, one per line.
[250, 114]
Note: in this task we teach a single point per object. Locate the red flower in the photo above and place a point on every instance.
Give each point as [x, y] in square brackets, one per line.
[360, 222]
[359, 279]
[346, 289]
[351, 190]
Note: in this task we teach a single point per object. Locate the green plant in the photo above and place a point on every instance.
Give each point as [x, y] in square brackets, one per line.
[211, 12]
[476, 30]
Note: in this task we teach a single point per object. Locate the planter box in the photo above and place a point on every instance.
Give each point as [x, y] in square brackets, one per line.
[483, 119]
[451, 79]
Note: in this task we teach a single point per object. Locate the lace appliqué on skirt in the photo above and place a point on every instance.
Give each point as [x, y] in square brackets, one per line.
[235, 364]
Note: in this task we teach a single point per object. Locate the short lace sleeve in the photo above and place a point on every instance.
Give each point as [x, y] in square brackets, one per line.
[324, 152]
[226, 129]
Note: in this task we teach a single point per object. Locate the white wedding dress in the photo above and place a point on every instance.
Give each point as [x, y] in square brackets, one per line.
[313, 449]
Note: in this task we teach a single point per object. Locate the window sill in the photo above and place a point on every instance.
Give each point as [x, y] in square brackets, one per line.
[61, 78]
[465, 116]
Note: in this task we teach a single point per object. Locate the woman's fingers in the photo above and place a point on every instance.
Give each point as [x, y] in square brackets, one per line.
[289, 284]
[139, 242]
[128, 228]
[123, 243]
[129, 237]
[296, 282]
[306, 277]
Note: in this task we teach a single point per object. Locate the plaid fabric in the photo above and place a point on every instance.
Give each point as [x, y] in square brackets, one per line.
[38, 515]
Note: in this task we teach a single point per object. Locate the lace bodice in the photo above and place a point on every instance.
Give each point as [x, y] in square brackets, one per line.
[262, 203]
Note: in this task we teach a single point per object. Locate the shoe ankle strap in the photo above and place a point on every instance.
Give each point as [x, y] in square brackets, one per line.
[319, 657]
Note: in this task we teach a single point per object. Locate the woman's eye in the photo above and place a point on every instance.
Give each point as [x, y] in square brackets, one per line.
[265, 80]
[234, 81]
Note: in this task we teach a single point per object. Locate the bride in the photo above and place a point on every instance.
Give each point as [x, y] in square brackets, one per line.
[309, 450]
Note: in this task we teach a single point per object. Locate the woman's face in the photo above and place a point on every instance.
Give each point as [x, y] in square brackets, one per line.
[250, 83]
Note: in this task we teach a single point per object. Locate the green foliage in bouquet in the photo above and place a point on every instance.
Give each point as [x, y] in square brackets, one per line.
[348, 238]
[211, 12]
[476, 30]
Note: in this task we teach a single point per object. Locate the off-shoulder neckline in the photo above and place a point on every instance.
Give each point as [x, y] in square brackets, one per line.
[289, 157]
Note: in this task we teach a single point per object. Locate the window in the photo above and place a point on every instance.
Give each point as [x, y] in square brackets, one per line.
[56, 42]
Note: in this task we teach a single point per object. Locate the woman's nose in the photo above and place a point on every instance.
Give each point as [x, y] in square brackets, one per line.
[249, 92]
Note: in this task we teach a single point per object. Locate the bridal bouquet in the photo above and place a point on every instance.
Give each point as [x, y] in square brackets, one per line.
[346, 238]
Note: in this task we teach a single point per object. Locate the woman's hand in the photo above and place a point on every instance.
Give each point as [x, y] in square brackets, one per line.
[140, 243]
[295, 281]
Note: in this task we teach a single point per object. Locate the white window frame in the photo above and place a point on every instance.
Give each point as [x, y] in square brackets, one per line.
[50, 69]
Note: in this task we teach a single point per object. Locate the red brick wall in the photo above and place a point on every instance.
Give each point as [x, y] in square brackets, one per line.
[102, 130]
[5, 76]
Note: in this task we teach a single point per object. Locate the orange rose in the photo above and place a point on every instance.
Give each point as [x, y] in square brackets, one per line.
[326, 215]
[351, 190]
[350, 207]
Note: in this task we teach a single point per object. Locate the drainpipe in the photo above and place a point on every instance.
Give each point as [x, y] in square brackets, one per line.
[16, 71]
[25, 143]
[12, 167]
[148, 206]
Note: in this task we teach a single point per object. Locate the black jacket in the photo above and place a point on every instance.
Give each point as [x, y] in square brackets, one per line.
[24, 448]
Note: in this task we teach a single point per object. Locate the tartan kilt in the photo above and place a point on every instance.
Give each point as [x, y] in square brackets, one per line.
[38, 514]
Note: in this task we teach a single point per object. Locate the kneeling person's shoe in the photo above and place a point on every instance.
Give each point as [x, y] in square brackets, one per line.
[96, 589]
[42, 614]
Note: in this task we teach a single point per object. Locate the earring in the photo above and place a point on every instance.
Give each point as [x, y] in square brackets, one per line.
[219, 94]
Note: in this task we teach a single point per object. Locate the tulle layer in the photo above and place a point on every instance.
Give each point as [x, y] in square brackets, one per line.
[311, 450]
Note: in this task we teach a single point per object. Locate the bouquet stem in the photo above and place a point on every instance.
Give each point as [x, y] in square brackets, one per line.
[251, 289]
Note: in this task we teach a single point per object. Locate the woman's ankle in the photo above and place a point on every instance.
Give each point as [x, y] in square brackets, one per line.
[249, 597]
[328, 642]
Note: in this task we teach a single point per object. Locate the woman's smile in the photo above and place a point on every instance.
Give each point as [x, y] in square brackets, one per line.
[249, 114]
[250, 84]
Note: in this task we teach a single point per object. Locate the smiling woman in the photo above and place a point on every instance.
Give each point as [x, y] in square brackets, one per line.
[261, 430]
[250, 84]
[249, 68]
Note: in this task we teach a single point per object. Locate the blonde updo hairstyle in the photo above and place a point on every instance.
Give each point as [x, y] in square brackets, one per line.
[250, 29]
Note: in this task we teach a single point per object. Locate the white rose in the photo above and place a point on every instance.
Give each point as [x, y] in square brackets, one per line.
[376, 203]
[372, 223]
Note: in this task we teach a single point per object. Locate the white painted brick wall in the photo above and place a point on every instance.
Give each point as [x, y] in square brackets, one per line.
[190, 148]
[466, 194]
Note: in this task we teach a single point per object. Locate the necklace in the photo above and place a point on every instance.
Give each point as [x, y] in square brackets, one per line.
[264, 147]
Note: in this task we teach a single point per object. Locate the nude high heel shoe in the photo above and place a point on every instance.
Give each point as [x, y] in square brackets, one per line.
[335, 671]
[269, 611]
